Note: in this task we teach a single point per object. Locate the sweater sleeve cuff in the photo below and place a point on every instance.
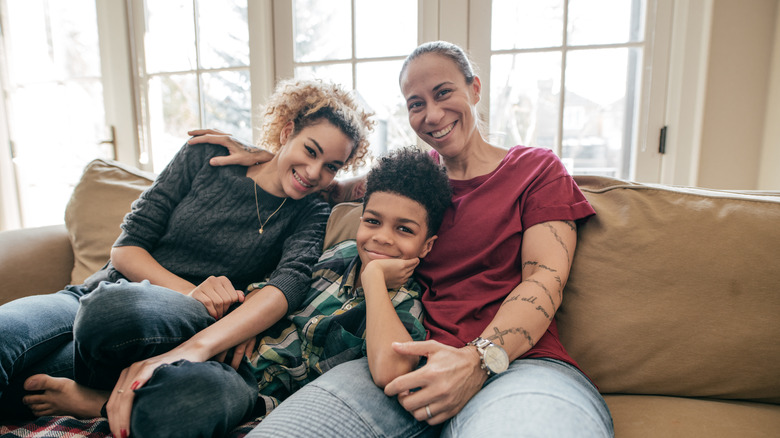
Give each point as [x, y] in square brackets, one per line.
[293, 287]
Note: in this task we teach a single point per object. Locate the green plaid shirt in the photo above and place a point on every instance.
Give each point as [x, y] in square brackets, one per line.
[330, 328]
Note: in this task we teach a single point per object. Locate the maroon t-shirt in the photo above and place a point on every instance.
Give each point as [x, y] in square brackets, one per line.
[475, 263]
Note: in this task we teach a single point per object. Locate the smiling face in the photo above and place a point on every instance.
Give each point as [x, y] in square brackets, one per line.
[442, 106]
[308, 161]
[393, 226]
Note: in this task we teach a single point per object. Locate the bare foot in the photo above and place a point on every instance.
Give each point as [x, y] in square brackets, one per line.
[63, 396]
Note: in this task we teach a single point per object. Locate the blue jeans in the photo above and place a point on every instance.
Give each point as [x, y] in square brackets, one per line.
[37, 337]
[122, 323]
[534, 397]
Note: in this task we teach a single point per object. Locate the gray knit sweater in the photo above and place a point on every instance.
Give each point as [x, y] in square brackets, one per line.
[198, 220]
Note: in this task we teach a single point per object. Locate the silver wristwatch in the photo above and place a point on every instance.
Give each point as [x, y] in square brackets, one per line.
[494, 358]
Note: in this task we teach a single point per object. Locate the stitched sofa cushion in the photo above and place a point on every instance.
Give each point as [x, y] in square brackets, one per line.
[342, 223]
[676, 291]
[99, 203]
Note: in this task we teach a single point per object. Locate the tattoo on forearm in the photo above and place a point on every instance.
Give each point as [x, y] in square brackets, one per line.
[544, 288]
[530, 300]
[541, 266]
[516, 297]
[499, 335]
[544, 312]
[560, 288]
[559, 239]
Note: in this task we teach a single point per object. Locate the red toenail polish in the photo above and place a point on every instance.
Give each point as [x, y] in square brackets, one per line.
[124, 433]
[135, 384]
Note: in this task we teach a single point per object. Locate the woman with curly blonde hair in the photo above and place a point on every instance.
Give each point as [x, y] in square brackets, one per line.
[160, 333]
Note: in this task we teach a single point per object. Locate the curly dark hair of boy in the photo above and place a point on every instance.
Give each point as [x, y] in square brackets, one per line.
[411, 173]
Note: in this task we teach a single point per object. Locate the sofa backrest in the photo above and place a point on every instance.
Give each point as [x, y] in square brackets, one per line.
[676, 291]
[673, 291]
[96, 209]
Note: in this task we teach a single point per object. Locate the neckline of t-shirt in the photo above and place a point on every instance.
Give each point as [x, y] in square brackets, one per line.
[479, 179]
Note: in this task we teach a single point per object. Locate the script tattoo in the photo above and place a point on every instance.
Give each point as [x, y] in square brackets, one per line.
[560, 288]
[499, 334]
[559, 239]
[571, 225]
[546, 292]
[541, 266]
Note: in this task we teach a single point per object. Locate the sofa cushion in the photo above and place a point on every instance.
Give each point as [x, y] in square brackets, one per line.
[96, 209]
[342, 223]
[644, 416]
[676, 291]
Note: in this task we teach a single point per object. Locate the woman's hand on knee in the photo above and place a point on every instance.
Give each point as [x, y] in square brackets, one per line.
[241, 152]
[120, 403]
[438, 390]
[217, 294]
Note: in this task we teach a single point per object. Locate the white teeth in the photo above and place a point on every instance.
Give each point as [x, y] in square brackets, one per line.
[443, 132]
[308, 186]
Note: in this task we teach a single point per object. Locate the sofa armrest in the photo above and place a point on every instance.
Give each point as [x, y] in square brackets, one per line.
[33, 261]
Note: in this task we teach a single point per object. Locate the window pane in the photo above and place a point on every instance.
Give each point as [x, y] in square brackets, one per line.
[598, 122]
[605, 21]
[224, 33]
[169, 43]
[72, 114]
[55, 40]
[385, 28]
[338, 73]
[524, 99]
[377, 84]
[322, 30]
[173, 110]
[54, 99]
[525, 24]
[227, 102]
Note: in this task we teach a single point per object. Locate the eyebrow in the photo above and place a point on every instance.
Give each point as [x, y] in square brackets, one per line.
[403, 220]
[434, 90]
[339, 162]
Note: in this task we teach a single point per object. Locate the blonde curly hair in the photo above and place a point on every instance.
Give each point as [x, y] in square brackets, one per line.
[306, 102]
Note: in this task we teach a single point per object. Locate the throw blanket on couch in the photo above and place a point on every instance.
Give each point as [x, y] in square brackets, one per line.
[69, 427]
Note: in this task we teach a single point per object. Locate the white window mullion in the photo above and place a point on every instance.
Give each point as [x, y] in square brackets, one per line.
[562, 95]
[138, 30]
[685, 93]
[116, 61]
[427, 20]
[262, 62]
[454, 21]
[284, 46]
[479, 41]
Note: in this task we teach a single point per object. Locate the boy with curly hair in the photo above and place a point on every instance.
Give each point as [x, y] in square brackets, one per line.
[362, 296]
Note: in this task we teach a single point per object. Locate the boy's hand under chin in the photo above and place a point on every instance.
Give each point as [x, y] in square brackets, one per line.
[394, 272]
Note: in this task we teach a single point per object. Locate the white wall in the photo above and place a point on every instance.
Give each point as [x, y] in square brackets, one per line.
[736, 100]
[769, 171]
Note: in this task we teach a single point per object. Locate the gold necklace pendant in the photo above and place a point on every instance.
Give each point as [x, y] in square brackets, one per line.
[257, 206]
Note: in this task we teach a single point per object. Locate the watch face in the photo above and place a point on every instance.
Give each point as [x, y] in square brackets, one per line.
[496, 359]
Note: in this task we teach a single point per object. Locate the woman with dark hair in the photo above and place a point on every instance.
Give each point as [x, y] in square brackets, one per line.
[493, 364]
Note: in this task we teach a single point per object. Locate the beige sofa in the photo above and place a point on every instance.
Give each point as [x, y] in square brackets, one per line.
[672, 307]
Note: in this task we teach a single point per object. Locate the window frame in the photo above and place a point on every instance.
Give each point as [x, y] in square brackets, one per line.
[461, 21]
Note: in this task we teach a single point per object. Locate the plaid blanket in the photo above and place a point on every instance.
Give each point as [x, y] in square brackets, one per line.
[69, 427]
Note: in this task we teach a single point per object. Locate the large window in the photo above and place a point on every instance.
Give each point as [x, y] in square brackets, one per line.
[565, 75]
[361, 45]
[569, 75]
[54, 105]
[193, 63]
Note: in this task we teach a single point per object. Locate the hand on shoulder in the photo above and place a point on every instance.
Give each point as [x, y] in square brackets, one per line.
[241, 152]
